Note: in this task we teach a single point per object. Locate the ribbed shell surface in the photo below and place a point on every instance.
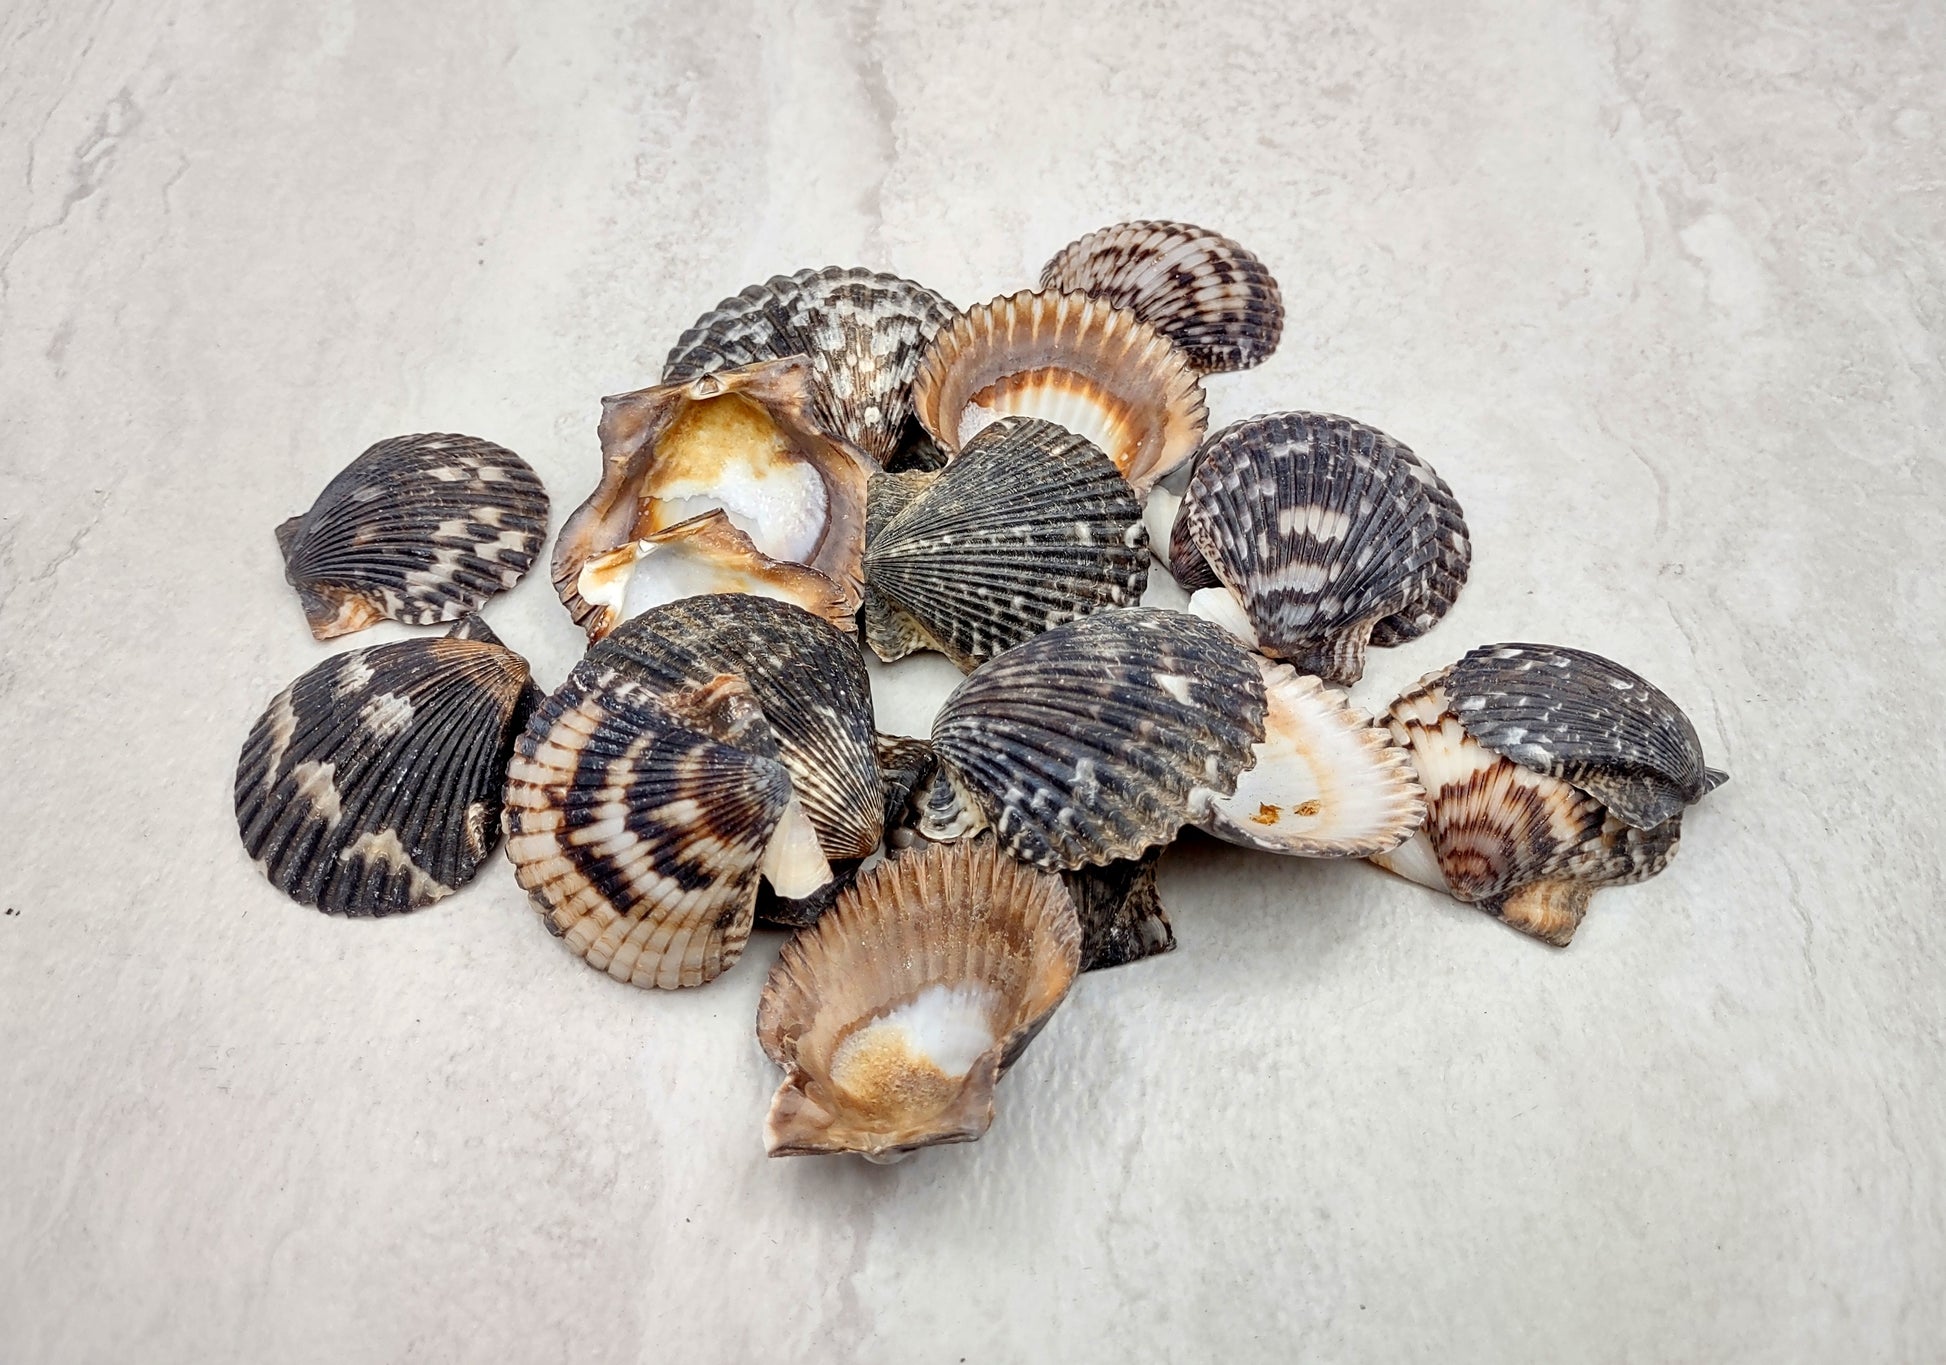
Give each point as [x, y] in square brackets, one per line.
[1586, 719]
[862, 331]
[418, 529]
[371, 784]
[1030, 527]
[1122, 916]
[1085, 744]
[807, 677]
[1203, 291]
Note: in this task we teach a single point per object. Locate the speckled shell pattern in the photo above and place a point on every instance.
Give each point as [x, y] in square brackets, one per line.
[1205, 292]
[1122, 916]
[1586, 719]
[1088, 743]
[943, 915]
[418, 529]
[863, 333]
[638, 821]
[371, 785]
[1322, 528]
[809, 681]
[1080, 362]
[1030, 527]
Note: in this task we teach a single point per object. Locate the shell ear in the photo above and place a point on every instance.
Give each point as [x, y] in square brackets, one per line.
[287, 534]
[1549, 911]
[1713, 778]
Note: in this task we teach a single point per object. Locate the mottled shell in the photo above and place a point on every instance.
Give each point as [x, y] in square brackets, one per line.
[1122, 916]
[371, 785]
[1030, 527]
[1527, 847]
[809, 681]
[1203, 291]
[1078, 362]
[745, 440]
[1320, 528]
[862, 332]
[894, 1017]
[1578, 716]
[418, 529]
[906, 766]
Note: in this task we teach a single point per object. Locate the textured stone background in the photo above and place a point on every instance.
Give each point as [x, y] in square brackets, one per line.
[1658, 287]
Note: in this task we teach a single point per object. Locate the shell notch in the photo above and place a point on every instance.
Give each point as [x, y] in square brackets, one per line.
[1520, 749]
[1030, 527]
[371, 785]
[418, 529]
[745, 441]
[894, 1017]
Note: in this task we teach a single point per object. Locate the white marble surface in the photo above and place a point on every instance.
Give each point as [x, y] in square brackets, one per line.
[1658, 286]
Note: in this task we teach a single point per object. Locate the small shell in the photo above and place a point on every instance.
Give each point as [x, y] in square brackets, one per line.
[1208, 295]
[1031, 526]
[863, 333]
[371, 785]
[894, 1017]
[706, 554]
[906, 766]
[744, 440]
[640, 821]
[1081, 363]
[1578, 716]
[1122, 917]
[418, 529]
[1320, 529]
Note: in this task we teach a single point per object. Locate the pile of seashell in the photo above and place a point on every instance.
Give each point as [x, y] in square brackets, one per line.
[840, 460]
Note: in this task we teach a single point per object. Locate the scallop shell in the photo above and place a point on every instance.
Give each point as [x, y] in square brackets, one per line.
[1203, 291]
[906, 767]
[863, 333]
[371, 785]
[896, 1015]
[1320, 529]
[1587, 720]
[745, 440]
[1031, 526]
[641, 820]
[1079, 362]
[1122, 917]
[1527, 847]
[418, 529]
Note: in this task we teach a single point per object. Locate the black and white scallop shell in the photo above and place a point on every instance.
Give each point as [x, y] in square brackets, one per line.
[418, 529]
[371, 785]
[1121, 913]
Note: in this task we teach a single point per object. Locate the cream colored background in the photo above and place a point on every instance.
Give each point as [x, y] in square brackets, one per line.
[1658, 287]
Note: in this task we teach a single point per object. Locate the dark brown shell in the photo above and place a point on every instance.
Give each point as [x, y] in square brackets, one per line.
[418, 529]
[1122, 916]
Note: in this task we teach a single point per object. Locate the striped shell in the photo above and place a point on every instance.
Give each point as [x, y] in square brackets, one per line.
[418, 529]
[1122, 917]
[863, 333]
[1320, 530]
[371, 785]
[1079, 362]
[1031, 526]
[1208, 295]
[896, 1015]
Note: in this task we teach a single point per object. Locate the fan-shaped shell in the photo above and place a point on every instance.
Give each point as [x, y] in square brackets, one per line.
[743, 440]
[894, 1017]
[418, 529]
[1079, 362]
[371, 784]
[1203, 291]
[863, 333]
[1586, 719]
[1031, 526]
[1319, 528]
[1122, 916]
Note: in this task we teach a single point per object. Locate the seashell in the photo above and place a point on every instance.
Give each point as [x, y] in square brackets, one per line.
[895, 1016]
[1101, 738]
[706, 554]
[742, 440]
[371, 785]
[418, 529]
[1319, 530]
[906, 767]
[1078, 362]
[1519, 841]
[640, 821]
[862, 332]
[1203, 291]
[1031, 526]
[1122, 917]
